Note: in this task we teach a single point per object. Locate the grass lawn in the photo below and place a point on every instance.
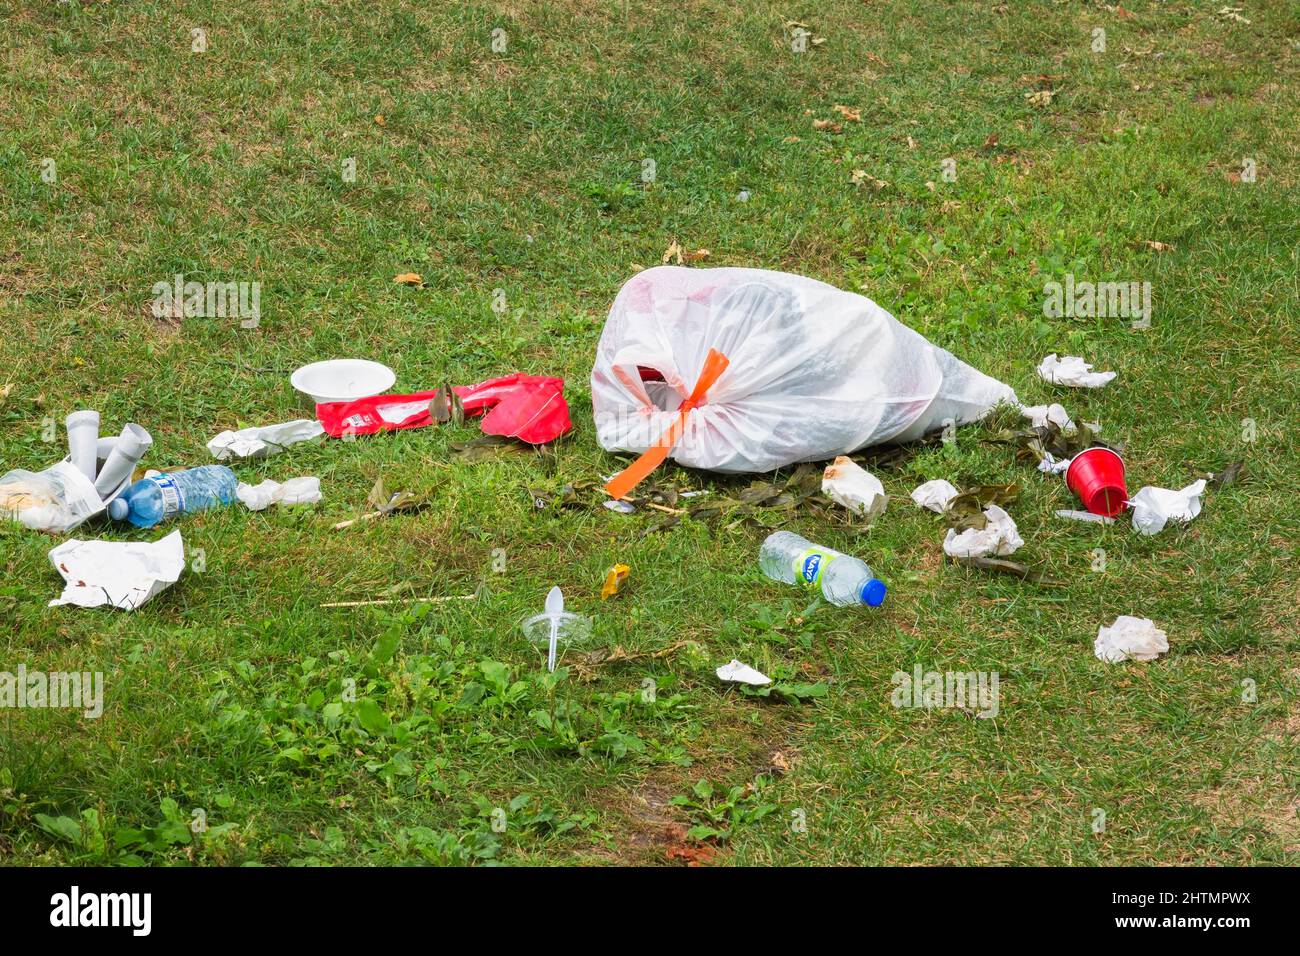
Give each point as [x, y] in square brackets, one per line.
[521, 170]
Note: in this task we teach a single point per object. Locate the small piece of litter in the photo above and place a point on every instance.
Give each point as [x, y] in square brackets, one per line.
[936, 495]
[851, 485]
[738, 673]
[1040, 416]
[999, 536]
[1085, 516]
[1130, 638]
[1051, 465]
[1072, 371]
[615, 578]
[264, 440]
[1153, 508]
[295, 491]
[622, 507]
[121, 574]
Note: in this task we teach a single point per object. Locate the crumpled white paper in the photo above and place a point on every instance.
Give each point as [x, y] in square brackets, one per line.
[852, 486]
[264, 440]
[122, 574]
[295, 491]
[999, 537]
[738, 673]
[1130, 638]
[1040, 415]
[1051, 465]
[936, 495]
[1072, 371]
[1153, 508]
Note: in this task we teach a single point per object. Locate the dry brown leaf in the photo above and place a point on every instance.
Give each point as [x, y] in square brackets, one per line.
[860, 177]
[828, 125]
[850, 113]
[792, 139]
[911, 143]
[1157, 246]
[673, 252]
[991, 141]
[697, 256]
[410, 278]
[1123, 14]
[1040, 98]
[379, 120]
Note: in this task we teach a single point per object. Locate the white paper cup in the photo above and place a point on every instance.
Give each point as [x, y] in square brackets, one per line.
[130, 448]
[83, 435]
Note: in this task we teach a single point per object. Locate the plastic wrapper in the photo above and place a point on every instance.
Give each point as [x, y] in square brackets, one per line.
[55, 500]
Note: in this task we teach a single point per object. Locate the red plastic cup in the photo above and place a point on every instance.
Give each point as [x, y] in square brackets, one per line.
[1097, 477]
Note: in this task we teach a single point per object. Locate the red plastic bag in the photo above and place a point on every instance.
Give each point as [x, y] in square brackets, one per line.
[528, 407]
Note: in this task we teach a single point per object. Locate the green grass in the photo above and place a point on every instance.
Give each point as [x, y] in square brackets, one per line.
[520, 171]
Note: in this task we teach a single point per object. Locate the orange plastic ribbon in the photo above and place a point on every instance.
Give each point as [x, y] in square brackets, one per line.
[631, 476]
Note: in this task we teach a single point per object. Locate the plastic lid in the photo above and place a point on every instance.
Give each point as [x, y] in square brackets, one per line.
[873, 593]
[118, 509]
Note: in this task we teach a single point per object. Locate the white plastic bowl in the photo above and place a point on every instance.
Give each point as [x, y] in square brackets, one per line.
[342, 380]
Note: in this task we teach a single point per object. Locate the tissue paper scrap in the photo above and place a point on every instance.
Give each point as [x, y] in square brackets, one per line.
[263, 441]
[936, 495]
[1040, 416]
[1130, 638]
[121, 574]
[1072, 371]
[998, 536]
[738, 673]
[1153, 508]
[852, 486]
[295, 491]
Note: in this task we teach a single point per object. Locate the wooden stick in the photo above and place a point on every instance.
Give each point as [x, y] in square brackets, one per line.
[419, 600]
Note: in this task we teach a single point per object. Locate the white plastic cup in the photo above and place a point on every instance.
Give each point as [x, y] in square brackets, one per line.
[130, 448]
[83, 437]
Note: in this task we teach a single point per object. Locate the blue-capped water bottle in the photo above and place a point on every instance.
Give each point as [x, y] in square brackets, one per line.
[150, 500]
[842, 579]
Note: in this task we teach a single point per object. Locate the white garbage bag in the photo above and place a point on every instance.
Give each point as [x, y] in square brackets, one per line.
[813, 371]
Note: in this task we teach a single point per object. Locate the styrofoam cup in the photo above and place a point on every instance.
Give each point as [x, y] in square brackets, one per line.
[83, 436]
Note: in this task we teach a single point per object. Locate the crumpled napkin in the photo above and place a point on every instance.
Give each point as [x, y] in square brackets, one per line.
[936, 495]
[999, 536]
[1040, 415]
[122, 574]
[1153, 508]
[1051, 465]
[738, 673]
[849, 484]
[264, 440]
[1130, 638]
[1072, 371]
[295, 491]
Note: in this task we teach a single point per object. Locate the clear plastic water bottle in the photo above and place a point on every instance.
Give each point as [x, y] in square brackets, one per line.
[843, 579]
[151, 500]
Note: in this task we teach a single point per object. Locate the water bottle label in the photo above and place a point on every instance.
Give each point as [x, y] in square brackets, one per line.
[811, 565]
[173, 500]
